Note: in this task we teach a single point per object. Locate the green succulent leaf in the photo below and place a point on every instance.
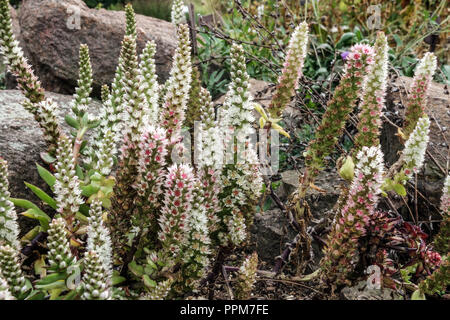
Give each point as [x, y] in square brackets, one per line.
[81, 217]
[89, 190]
[41, 216]
[46, 175]
[116, 279]
[400, 189]
[149, 283]
[345, 39]
[47, 158]
[72, 122]
[33, 211]
[58, 284]
[136, 269]
[36, 295]
[51, 278]
[42, 195]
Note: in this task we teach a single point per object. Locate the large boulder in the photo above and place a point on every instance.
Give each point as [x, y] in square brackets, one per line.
[52, 36]
[21, 142]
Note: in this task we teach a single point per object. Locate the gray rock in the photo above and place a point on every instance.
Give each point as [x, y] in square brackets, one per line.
[21, 142]
[329, 181]
[269, 232]
[52, 42]
[361, 292]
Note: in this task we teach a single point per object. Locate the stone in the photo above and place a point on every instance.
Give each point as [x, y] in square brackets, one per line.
[269, 232]
[362, 292]
[328, 180]
[52, 37]
[21, 142]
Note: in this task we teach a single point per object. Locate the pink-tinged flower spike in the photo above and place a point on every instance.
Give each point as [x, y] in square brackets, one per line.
[357, 66]
[15, 60]
[439, 280]
[372, 102]
[177, 15]
[95, 286]
[5, 293]
[59, 255]
[67, 186]
[178, 85]
[150, 82]
[423, 76]
[247, 277]
[177, 206]
[292, 71]
[196, 252]
[81, 97]
[151, 173]
[341, 252]
[442, 239]
[9, 229]
[415, 147]
[11, 272]
[99, 240]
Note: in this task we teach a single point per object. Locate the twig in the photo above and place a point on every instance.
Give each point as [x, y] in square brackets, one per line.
[227, 282]
[415, 198]
[295, 283]
[281, 260]
[192, 29]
